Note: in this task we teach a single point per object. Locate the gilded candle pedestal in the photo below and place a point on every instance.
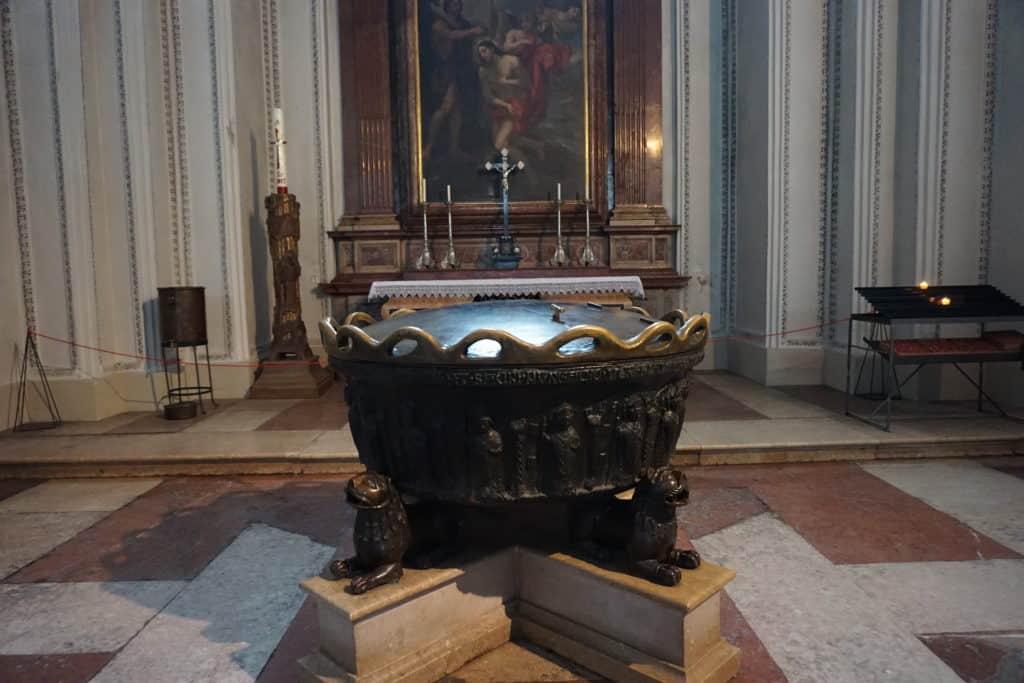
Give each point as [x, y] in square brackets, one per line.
[292, 370]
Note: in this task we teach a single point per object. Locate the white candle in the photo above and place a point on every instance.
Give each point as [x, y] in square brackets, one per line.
[448, 189]
[281, 173]
[587, 205]
[559, 196]
[423, 191]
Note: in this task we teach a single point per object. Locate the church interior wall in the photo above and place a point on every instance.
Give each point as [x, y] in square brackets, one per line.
[809, 148]
[1003, 252]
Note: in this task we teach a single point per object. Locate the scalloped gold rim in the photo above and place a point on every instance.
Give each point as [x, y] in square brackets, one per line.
[662, 338]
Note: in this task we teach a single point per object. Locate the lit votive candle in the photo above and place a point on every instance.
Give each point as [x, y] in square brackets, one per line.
[924, 284]
[945, 301]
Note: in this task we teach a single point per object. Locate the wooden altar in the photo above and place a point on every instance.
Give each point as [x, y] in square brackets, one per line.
[380, 236]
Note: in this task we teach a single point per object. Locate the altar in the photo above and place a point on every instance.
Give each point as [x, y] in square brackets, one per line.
[452, 182]
[394, 295]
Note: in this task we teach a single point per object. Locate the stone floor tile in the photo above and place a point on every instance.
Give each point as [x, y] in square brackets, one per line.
[187, 446]
[235, 420]
[711, 509]
[271, 405]
[850, 516]
[991, 502]
[774, 434]
[299, 640]
[816, 623]
[49, 618]
[315, 414]
[96, 426]
[756, 664]
[156, 423]
[27, 536]
[224, 626]
[29, 447]
[768, 401]
[173, 531]
[10, 487]
[705, 403]
[78, 495]
[744, 476]
[981, 657]
[516, 662]
[933, 597]
[834, 400]
[69, 668]
[1014, 470]
[963, 428]
[1001, 462]
[339, 443]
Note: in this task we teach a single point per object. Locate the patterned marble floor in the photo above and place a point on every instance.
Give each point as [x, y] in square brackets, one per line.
[729, 420]
[883, 571]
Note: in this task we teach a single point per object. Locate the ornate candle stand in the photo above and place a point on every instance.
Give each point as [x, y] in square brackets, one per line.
[559, 258]
[450, 259]
[587, 258]
[290, 379]
[426, 260]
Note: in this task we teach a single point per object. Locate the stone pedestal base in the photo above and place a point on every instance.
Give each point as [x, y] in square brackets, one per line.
[434, 621]
[290, 381]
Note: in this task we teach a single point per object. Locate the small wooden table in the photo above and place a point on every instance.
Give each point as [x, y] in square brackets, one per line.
[419, 294]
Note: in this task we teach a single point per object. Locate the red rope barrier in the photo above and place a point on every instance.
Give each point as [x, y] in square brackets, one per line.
[783, 333]
[306, 363]
[165, 361]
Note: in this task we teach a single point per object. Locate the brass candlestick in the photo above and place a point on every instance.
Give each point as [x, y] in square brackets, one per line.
[559, 258]
[587, 257]
[450, 260]
[301, 376]
[426, 260]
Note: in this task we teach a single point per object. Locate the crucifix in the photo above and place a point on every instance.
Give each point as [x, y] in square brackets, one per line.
[506, 254]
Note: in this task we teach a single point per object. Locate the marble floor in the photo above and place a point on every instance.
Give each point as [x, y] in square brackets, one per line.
[729, 420]
[899, 571]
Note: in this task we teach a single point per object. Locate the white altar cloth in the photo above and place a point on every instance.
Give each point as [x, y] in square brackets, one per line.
[629, 285]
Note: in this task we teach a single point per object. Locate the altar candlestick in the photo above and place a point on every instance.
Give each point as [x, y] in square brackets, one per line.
[559, 258]
[450, 260]
[587, 257]
[426, 260]
[281, 168]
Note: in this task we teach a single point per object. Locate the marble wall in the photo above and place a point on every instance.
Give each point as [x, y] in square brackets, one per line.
[856, 142]
[810, 146]
[135, 144]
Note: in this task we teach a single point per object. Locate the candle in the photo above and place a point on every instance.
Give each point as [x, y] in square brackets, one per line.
[587, 205]
[924, 284]
[559, 191]
[281, 168]
[449, 190]
[423, 194]
[945, 301]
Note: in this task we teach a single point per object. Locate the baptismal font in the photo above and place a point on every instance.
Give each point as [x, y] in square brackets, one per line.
[518, 471]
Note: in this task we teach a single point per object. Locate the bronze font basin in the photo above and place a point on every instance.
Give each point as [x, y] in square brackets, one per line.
[507, 401]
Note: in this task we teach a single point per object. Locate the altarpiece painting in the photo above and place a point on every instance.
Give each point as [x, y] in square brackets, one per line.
[496, 74]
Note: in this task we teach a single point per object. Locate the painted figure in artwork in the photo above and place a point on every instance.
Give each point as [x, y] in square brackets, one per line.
[451, 36]
[503, 74]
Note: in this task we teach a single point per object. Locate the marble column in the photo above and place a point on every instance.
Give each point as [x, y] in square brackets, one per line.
[776, 279]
